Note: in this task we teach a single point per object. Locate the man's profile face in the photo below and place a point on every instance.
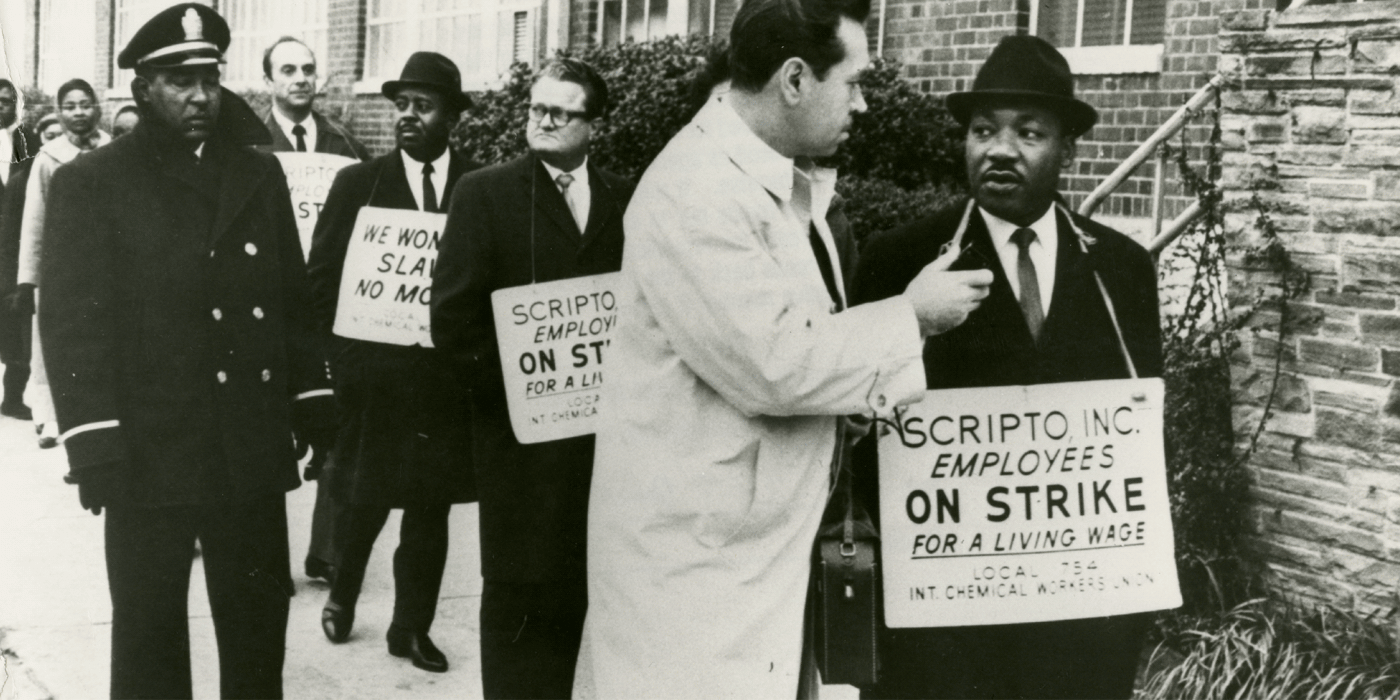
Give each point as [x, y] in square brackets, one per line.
[422, 121]
[824, 119]
[185, 99]
[293, 79]
[9, 104]
[1015, 152]
[557, 125]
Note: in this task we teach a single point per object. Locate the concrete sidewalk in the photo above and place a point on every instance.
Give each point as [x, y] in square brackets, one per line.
[55, 614]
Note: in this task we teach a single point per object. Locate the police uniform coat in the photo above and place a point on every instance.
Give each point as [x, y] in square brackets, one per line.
[534, 498]
[405, 435]
[994, 348]
[330, 138]
[179, 336]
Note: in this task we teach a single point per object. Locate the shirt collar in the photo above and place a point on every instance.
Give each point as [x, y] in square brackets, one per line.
[286, 123]
[440, 164]
[773, 170]
[1046, 228]
[580, 173]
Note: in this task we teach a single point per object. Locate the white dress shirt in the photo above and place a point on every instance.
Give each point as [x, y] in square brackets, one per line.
[309, 123]
[1043, 251]
[7, 150]
[413, 171]
[579, 190]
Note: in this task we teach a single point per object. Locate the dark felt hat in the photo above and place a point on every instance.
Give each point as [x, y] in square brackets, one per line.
[188, 34]
[430, 70]
[1028, 68]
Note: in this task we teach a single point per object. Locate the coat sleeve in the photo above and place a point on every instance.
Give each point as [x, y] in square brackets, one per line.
[308, 380]
[77, 322]
[735, 317]
[329, 243]
[462, 321]
[31, 234]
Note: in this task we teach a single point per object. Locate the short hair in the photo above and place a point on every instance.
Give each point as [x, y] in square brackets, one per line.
[74, 84]
[125, 109]
[768, 32]
[267, 53]
[572, 70]
[45, 121]
[6, 84]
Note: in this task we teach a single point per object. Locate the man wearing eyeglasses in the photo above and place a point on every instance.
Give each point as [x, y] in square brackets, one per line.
[549, 215]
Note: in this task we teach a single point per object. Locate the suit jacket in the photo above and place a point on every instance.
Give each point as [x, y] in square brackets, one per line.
[994, 348]
[534, 498]
[405, 433]
[330, 138]
[176, 323]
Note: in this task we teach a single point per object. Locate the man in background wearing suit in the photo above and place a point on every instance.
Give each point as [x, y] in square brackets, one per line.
[405, 439]
[1044, 321]
[548, 215]
[289, 69]
[19, 144]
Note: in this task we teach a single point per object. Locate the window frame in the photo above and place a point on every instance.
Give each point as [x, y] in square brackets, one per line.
[302, 33]
[373, 84]
[1114, 59]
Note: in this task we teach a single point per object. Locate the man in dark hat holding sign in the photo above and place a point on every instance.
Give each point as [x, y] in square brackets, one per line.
[1044, 321]
[404, 441]
[185, 369]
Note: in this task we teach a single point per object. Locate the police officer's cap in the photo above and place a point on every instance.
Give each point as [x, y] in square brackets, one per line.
[187, 34]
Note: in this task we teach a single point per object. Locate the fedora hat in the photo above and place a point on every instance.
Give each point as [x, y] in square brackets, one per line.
[435, 71]
[1026, 68]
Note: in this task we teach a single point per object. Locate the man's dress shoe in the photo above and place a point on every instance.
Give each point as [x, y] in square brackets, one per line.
[417, 647]
[337, 621]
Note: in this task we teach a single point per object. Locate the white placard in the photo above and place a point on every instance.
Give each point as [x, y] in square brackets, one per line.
[1026, 504]
[387, 280]
[309, 177]
[553, 339]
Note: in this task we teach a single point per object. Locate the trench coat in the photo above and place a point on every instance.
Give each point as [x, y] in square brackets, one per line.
[16, 330]
[728, 371]
[405, 434]
[175, 315]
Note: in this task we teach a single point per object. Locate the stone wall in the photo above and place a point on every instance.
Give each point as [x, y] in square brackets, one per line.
[1312, 126]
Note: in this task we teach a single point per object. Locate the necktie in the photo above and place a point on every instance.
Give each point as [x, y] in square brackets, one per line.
[1030, 284]
[430, 202]
[564, 180]
[299, 131]
[802, 204]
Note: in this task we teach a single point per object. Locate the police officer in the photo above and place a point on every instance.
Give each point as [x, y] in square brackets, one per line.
[185, 370]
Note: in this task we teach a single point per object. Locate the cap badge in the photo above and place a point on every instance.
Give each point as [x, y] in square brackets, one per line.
[193, 25]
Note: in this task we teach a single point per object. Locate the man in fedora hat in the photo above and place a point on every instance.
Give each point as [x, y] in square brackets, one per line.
[559, 204]
[404, 439]
[1045, 321]
[184, 365]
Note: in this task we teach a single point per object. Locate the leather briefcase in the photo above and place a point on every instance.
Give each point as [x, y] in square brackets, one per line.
[846, 583]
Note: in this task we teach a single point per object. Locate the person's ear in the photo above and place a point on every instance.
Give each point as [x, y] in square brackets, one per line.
[1068, 146]
[140, 89]
[790, 76]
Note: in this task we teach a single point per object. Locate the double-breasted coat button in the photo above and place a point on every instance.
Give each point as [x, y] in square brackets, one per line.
[223, 377]
[267, 375]
[258, 312]
[211, 253]
[250, 248]
[218, 315]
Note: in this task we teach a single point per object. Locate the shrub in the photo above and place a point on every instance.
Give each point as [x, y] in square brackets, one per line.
[875, 205]
[1265, 649]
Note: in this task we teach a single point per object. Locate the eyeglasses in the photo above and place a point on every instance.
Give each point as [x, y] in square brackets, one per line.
[557, 115]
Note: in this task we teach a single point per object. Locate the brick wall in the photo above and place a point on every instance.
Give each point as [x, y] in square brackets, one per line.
[1314, 127]
[943, 42]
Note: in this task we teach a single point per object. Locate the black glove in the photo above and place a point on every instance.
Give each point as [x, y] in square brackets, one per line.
[102, 485]
[22, 301]
[318, 439]
[315, 466]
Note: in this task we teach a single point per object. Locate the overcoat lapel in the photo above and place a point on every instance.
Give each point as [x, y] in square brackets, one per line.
[1008, 325]
[1075, 295]
[550, 202]
[390, 189]
[602, 206]
[279, 139]
[242, 176]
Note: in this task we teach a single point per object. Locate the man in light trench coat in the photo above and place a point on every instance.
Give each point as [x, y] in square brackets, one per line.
[732, 365]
